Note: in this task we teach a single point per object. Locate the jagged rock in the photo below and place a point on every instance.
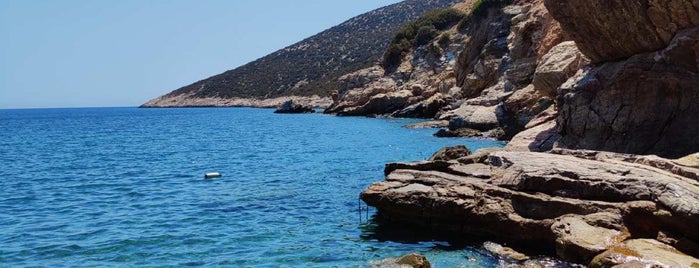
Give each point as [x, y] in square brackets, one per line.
[646, 104]
[460, 132]
[354, 98]
[412, 260]
[616, 29]
[429, 124]
[520, 72]
[643, 253]
[380, 104]
[425, 109]
[540, 138]
[359, 79]
[479, 156]
[479, 62]
[534, 32]
[291, 107]
[504, 252]
[521, 107]
[557, 66]
[521, 195]
[579, 241]
[450, 153]
[481, 118]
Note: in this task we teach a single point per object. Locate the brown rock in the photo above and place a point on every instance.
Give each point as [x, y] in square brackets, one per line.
[643, 253]
[412, 260]
[429, 124]
[689, 161]
[540, 138]
[646, 104]
[450, 153]
[559, 64]
[579, 241]
[504, 252]
[380, 104]
[481, 118]
[616, 29]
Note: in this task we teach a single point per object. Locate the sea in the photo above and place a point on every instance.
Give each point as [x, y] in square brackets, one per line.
[125, 187]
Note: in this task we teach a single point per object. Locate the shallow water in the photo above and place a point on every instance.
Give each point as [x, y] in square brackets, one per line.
[124, 187]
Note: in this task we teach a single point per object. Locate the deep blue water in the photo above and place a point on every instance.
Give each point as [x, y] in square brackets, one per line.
[124, 187]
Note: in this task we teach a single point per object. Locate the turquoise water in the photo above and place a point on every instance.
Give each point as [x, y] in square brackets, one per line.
[124, 187]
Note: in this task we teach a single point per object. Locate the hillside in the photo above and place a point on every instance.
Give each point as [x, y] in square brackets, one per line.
[312, 66]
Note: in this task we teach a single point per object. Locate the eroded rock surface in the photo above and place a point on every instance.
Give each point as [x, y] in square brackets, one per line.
[646, 104]
[578, 204]
[616, 29]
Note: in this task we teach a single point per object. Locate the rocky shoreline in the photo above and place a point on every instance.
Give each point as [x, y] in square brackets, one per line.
[588, 207]
[600, 99]
[188, 100]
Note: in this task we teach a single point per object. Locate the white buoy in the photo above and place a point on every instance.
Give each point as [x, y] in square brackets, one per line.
[212, 175]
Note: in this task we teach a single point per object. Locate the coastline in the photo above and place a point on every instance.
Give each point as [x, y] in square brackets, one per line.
[190, 101]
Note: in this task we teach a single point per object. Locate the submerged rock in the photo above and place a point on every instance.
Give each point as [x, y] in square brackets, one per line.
[504, 252]
[412, 260]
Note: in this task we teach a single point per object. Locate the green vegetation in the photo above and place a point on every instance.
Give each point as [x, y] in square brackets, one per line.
[319, 59]
[480, 10]
[420, 32]
[444, 40]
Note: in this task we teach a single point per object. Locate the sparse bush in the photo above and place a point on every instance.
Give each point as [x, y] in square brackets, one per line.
[444, 39]
[420, 32]
[424, 35]
[434, 50]
[480, 9]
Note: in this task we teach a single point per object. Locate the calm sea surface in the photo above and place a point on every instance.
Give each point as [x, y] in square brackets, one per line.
[124, 187]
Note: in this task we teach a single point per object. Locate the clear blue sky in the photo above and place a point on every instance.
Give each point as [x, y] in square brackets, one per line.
[92, 53]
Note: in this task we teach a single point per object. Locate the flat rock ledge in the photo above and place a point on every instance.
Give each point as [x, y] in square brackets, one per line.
[582, 205]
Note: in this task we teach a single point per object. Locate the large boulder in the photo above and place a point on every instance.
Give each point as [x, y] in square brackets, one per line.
[579, 241]
[450, 153]
[412, 260]
[425, 109]
[384, 103]
[559, 64]
[617, 29]
[647, 104]
[481, 118]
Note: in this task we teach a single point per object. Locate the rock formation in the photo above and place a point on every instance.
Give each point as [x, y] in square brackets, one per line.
[576, 203]
[291, 107]
[642, 95]
[483, 79]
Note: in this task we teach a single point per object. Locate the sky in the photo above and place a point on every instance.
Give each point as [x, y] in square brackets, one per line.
[99, 53]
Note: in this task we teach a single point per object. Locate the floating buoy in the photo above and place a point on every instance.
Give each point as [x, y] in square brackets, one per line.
[212, 175]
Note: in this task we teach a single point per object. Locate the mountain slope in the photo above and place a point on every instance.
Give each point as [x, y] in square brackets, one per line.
[312, 66]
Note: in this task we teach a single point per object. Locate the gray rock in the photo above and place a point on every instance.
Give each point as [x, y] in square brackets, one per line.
[647, 104]
[557, 66]
[291, 107]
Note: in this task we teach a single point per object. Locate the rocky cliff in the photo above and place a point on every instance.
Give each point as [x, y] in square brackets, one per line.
[484, 77]
[309, 67]
[621, 76]
[642, 94]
